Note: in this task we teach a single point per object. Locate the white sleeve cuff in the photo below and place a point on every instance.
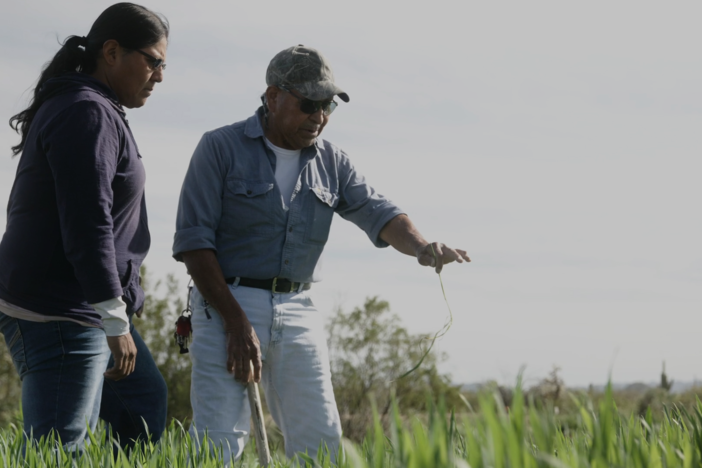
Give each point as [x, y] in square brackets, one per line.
[114, 316]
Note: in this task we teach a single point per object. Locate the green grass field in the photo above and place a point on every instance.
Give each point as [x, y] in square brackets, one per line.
[493, 436]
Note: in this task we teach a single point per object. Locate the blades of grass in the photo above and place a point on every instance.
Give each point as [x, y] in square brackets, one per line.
[517, 410]
[474, 455]
[495, 440]
[352, 457]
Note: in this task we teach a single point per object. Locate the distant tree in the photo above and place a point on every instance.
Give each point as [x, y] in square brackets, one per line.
[369, 351]
[552, 386]
[665, 383]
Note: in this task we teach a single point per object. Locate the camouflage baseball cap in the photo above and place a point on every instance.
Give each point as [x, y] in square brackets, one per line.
[306, 70]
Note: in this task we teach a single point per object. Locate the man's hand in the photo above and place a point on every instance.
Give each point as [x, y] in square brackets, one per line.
[437, 255]
[243, 350]
[124, 353]
[243, 347]
[401, 233]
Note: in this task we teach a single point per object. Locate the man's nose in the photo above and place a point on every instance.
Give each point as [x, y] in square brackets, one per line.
[317, 117]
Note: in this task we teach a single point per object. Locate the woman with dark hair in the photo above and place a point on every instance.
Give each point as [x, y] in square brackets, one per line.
[77, 234]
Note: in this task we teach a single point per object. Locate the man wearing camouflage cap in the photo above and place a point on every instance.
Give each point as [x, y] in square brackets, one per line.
[254, 215]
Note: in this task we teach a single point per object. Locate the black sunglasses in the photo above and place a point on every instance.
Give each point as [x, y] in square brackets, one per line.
[154, 63]
[308, 106]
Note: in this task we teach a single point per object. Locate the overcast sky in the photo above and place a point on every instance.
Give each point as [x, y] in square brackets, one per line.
[559, 144]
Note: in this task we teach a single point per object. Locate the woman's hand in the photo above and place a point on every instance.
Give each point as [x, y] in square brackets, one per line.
[124, 353]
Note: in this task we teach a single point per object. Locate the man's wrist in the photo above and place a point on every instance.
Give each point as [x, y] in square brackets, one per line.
[233, 325]
[233, 321]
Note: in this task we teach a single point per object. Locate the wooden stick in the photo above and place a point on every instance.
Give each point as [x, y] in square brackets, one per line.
[259, 428]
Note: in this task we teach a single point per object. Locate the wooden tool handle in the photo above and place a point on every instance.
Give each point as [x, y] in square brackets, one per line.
[259, 428]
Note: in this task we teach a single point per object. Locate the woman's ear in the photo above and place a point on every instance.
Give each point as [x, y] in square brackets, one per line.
[110, 51]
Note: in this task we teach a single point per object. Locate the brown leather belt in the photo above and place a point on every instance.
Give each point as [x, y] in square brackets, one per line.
[275, 285]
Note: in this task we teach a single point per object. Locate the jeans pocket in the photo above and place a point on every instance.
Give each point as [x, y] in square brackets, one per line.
[309, 301]
[199, 305]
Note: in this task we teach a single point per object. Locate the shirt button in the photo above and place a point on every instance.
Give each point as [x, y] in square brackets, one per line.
[287, 261]
[290, 229]
[248, 192]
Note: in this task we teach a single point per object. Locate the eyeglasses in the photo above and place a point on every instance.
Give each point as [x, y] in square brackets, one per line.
[154, 63]
[308, 106]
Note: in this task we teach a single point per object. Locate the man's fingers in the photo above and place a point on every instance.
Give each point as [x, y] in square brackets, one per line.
[245, 375]
[240, 366]
[439, 257]
[437, 249]
[231, 362]
[451, 255]
[425, 258]
[463, 254]
[244, 357]
[256, 363]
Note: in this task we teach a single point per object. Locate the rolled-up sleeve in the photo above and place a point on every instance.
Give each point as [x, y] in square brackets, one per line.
[361, 204]
[200, 205]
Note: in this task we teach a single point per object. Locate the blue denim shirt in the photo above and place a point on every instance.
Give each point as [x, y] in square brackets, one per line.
[230, 203]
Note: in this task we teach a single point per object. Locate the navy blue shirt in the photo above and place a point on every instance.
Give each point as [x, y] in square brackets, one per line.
[230, 203]
[77, 229]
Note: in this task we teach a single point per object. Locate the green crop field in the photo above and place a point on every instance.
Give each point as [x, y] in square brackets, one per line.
[493, 436]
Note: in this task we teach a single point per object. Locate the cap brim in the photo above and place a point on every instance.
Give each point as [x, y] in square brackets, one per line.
[321, 90]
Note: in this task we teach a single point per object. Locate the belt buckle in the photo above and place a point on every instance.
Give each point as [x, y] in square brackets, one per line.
[275, 284]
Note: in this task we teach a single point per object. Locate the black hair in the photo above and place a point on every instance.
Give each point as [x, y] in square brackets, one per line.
[132, 26]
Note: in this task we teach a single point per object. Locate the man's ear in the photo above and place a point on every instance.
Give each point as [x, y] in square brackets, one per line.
[110, 51]
[272, 96]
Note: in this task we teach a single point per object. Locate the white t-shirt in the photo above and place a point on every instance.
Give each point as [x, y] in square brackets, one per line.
[287, 170]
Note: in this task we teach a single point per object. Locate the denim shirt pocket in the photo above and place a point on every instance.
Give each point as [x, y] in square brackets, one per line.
[322, 206]
[248, 206]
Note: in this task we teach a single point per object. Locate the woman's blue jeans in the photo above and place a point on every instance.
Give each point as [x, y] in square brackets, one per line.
[61, 365]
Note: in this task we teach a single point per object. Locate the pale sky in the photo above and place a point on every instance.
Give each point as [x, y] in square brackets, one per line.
[559, 144]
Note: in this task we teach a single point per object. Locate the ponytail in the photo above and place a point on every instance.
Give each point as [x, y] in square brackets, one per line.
[70, 57]
[132, 26]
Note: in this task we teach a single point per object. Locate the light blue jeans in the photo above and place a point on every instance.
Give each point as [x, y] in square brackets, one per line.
[296, 377]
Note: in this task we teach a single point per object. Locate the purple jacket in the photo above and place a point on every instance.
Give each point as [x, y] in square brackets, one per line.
[77, 229]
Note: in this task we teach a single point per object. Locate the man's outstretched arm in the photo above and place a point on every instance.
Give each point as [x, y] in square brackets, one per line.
[401, 233]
